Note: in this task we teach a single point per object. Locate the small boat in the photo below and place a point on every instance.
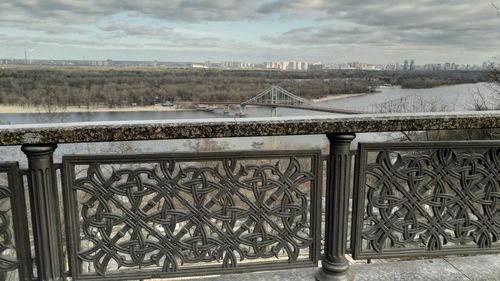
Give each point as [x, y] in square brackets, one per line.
[167, 104]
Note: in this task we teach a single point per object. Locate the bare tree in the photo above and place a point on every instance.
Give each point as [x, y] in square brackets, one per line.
[50, 107]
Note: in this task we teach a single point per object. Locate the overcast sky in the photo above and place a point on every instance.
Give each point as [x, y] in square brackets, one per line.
[463, 31]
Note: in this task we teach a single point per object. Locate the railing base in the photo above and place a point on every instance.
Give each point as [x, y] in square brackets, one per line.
[325, 275]
[483, 268]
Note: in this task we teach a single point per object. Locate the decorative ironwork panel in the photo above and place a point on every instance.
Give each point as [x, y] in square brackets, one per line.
[15, 257]
[144, 216]
[430, 198]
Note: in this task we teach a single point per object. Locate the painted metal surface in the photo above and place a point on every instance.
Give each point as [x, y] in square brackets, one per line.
[15, 255]
[334, 263]
[145, 216]
[186, 214]
[45, 212]
[427, 199]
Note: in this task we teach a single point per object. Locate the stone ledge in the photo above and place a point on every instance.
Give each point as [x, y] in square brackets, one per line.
[476, 268]
[244, 127]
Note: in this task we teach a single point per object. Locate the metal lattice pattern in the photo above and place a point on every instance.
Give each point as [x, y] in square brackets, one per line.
[427, 199]
[14, 244]
[176, 215]
[8, 259]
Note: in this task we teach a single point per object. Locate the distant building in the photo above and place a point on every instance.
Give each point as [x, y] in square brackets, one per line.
[287, 65]
[199, 66]
[316, 66]
[392, 67]
[237, 64]
[304, 66]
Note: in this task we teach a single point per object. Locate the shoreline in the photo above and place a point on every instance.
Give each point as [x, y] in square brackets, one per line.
[13, 109]
[338, 97]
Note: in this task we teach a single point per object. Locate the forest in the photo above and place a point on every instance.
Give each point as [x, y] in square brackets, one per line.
[107, 87]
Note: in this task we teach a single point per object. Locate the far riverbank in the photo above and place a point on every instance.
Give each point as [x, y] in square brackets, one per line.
[76, 109]
[338, 97]
[9, 109]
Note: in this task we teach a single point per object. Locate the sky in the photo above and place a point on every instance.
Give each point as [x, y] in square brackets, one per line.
[373, 31]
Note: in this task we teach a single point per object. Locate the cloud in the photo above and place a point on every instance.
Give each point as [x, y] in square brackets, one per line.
[458, 25]
[312, 36]
[173, 41]
[58, 18]
[403, 21]
[295, 7]
[138, 30]
[75, 11]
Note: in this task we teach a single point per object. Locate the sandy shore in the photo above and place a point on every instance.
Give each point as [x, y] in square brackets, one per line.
[337, 97]
[24, 109]
[21, 109]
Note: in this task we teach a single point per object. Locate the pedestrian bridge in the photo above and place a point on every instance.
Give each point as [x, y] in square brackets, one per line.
[276, 96]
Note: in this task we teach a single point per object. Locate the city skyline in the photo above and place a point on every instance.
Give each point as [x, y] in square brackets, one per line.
[291, 65]
[428, 31]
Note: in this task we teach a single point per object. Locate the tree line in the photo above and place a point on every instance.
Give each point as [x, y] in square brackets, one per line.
[123, 87]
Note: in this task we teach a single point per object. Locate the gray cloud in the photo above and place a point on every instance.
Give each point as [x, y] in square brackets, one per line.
[310, 36]
[456, 23]
[170, 38]
[394, 19]
[74, 11]
[137, 30]
[394, 25]
[174, 41]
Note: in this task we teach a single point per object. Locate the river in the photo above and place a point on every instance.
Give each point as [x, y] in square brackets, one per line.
[456, 98]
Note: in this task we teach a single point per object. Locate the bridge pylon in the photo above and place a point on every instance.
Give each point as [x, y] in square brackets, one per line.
[277, 95]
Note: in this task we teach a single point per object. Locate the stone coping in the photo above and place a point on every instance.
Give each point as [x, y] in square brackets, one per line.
[242, 127]
[480, 268]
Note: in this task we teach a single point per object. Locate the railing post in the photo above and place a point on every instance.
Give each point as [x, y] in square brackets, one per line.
[45, 211]
[334, 264]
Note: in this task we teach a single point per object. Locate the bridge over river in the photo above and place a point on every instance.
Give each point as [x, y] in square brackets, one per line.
[276, 96]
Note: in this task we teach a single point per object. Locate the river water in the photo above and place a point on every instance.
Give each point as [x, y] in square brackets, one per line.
[456, 98]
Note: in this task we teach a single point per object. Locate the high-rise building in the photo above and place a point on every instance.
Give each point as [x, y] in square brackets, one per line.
[405, 65]
[304, 66]
[316, 66]
[287, 65]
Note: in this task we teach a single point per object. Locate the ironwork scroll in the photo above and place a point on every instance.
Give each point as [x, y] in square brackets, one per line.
[427, 199]
[15, 257]
[149, 216]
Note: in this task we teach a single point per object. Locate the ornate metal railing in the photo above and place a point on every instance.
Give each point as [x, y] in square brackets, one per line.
[140, 216]
[421, 199]
[143, 216]
[15, 255]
